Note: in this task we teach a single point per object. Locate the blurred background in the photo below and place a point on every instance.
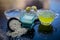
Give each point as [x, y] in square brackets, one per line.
[22, 4]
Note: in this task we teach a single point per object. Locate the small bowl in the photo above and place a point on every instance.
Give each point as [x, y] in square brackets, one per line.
[46, 17]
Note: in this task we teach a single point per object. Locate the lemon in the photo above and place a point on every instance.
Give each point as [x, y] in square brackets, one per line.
[28, 9]
[34, 7]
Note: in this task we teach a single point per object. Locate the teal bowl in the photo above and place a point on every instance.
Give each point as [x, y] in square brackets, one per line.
[27, 20]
